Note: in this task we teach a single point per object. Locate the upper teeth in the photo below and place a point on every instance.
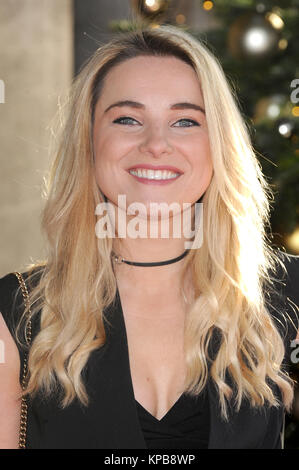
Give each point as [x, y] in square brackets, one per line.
[154, 174]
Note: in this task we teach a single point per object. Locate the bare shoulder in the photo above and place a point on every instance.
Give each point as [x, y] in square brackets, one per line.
[10, 389]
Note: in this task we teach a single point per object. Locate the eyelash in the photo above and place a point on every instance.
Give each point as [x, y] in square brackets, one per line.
[118, 121]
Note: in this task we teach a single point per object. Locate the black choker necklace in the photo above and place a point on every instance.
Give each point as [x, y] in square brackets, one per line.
[119, 259]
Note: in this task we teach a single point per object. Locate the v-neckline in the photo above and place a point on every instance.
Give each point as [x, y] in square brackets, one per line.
[120, 309]
[165, 415]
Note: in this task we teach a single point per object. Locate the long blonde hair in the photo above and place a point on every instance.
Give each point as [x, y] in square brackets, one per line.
[230, 271]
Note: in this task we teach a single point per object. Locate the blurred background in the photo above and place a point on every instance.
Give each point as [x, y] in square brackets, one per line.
[44, 43]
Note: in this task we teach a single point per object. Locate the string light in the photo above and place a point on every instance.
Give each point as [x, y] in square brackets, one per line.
[275, 20]
[295, 111]
[256, 40]
[207, 5]
[293, 240]
[180, 19]
[282, 44]
[285, 129]
[152, 4]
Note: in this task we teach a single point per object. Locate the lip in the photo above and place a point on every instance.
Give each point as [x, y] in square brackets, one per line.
[147, 166]
[153, 181]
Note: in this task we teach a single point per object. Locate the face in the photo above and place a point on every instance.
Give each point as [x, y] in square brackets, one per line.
[152, 134]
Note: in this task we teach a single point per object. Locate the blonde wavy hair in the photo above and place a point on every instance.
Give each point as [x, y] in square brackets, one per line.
[231, 270]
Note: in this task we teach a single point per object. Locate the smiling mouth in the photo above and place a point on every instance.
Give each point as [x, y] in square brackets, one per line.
[156, 175]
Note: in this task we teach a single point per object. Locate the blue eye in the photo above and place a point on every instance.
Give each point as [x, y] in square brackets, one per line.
[124, 120]
[190, 121]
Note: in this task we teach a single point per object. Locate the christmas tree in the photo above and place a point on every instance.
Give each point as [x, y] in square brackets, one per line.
[256, 44]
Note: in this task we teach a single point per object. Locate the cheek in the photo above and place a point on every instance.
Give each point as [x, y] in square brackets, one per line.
[105, 155]
[110, 150]
[203, 163]
[200, 160]
[198, 150]
[204, 147]
[108, 153]
[101, 162]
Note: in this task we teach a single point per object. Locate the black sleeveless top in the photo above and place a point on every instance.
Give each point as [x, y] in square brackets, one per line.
[115, 420]
[184, 426]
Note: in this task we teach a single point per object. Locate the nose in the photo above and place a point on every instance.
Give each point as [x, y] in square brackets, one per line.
[155, 142]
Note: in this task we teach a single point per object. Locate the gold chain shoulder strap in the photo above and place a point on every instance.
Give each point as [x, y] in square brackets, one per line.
[24, 405]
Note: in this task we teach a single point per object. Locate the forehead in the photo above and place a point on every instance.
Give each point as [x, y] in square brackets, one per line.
[149, 76]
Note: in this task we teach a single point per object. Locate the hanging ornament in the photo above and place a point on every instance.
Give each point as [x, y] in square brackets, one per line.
[270, 108]
[151, 10]
[253, 36]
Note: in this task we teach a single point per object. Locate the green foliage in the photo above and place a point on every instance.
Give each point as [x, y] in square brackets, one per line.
[255, 78]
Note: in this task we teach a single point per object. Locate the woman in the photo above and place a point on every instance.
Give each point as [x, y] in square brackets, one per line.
[191, 347]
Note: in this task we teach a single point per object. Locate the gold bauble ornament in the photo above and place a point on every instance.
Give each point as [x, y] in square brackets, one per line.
[252, 36]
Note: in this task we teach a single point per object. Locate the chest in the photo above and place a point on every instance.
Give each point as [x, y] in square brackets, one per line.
[156, 356]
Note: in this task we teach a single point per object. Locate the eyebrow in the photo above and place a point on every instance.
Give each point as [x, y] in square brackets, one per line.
[135, 104]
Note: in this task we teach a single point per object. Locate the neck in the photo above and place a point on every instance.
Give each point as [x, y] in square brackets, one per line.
[147, 248]
[150, 278]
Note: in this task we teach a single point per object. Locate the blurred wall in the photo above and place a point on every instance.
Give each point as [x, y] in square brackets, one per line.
[91, 25]
[36, 66]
